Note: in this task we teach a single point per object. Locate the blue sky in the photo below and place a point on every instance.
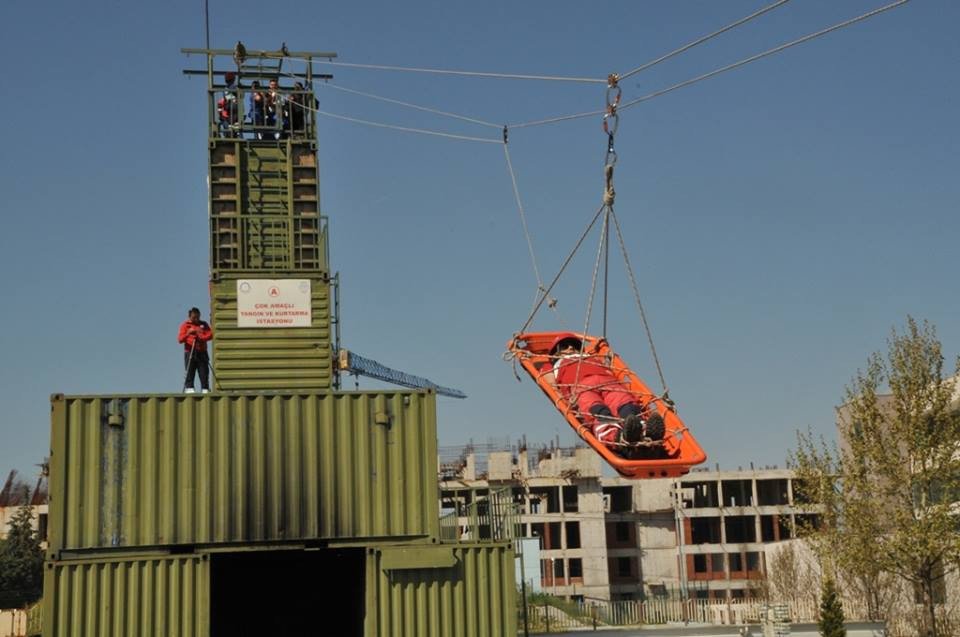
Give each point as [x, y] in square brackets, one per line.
[781, 218]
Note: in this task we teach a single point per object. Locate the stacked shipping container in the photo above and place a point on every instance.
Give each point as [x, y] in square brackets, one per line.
[274, 505]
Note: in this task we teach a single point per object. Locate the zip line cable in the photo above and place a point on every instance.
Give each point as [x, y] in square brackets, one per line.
[709, 36]
[729, 67]
[410, 105]
[766, 53]
[553, 120]
[509, 76]
[398, 102]
[407, 129]
[627, 104]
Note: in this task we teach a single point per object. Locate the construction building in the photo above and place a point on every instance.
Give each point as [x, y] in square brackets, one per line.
[609, 538]
[16, 494]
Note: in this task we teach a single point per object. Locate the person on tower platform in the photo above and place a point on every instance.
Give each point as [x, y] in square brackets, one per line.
[227, 107]
[194, 334]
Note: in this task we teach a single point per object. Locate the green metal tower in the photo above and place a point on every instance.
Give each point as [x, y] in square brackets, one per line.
[273, 296]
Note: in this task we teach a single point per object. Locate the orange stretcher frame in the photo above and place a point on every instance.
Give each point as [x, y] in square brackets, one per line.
[682, 450]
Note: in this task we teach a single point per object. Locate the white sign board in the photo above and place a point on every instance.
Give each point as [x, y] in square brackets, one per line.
[273, 303]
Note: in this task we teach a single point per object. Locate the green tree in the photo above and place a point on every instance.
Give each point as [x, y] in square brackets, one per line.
[831, 612]
[21, 562]
[888, 492]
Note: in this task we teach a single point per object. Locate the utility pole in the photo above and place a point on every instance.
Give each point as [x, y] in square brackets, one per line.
[679, 520]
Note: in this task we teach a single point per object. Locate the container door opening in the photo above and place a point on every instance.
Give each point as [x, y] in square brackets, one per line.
[287, 593]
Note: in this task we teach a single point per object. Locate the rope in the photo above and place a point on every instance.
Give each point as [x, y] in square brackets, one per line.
[566, 262]
[407, 129]
[636, 296]
[593, 283]
[523, 218]
[703, 39]
[766, 53]
[508, 76]
[408, 104]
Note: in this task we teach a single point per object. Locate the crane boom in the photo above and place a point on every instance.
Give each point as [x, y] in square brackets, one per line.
[353, 363]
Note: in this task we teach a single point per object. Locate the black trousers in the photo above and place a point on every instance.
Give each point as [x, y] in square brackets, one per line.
[200, 362]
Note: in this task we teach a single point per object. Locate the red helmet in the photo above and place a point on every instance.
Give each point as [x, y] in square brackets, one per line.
[565, 337]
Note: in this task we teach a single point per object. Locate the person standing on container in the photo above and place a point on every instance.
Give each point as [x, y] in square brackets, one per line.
[195, 334]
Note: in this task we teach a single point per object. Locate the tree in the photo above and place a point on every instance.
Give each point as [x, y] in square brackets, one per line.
[831, 612]
[888, 493]
[21, 562]
[791, 576]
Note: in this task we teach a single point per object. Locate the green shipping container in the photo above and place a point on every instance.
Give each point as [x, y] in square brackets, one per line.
[377, 591]
[267, 356]
[147, 597]
[160, 470]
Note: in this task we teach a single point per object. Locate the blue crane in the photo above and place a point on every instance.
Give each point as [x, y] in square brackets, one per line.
[353, 363]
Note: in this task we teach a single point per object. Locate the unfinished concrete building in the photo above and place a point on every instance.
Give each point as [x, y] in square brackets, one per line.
[610, 538]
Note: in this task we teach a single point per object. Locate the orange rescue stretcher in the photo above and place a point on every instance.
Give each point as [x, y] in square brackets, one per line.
[680, 450]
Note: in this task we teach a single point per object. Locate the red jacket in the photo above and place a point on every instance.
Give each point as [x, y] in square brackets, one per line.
[191, 333]
[569, 369]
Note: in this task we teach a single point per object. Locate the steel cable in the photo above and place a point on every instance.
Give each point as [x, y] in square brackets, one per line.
[709, 36]
[766, 53]
[508, 76]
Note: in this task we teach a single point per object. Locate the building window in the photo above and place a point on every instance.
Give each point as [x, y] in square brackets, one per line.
[772, 492]
[736, 562]
[573, 535]
[705, 530]
[624, 567]
[783, 522]
[570, 499]
[716, 562]
[740, 528]
[537, 530]
[704, 494]
[767, 526]
[620, 498]
[547, 498]
[558, 569]
[700, 563]
[554, 535]
[622, 531]
[737, 593]
[753, 561]
[576, 567]
[737, 493]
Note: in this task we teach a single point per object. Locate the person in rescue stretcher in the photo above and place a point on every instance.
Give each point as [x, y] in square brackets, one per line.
[615, 416]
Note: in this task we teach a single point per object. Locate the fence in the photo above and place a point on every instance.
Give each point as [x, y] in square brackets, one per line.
[557, 615]
[495, 517]
[13, 623]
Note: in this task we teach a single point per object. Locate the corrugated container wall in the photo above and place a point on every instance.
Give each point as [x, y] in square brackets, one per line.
[475, 596]
[130, 471]
[462, 591]
[278, 358]
[146, 597]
